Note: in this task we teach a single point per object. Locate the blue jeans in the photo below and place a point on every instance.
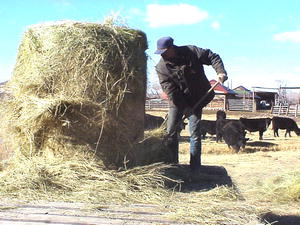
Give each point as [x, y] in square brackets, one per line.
[174, 117]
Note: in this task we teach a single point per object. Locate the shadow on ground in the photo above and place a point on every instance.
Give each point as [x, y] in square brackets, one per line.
[206, 178]
[187, 138]
[280, 220]
[261, 144]
[256, 146]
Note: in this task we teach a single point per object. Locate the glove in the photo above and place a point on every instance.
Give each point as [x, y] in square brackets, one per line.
[222, 77]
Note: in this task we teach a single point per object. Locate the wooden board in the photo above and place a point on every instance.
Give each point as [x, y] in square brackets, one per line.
[80, 214]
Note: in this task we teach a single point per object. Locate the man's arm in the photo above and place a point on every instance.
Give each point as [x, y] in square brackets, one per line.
[207, 57]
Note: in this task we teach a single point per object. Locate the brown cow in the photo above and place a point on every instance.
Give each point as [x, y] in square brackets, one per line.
[220, 123]
[256, 124]
[152, 122]
[284, 123]
[207, 126]
[233, 134]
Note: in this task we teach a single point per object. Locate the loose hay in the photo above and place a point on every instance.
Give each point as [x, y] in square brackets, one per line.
[80, 178]
[284, 188]
[152, 148]
[220, 205]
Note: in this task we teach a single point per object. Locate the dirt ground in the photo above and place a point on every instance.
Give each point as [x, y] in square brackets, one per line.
[260, 160]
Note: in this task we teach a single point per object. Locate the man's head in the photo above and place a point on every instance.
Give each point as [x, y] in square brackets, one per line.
[163, 44]
[166, 48]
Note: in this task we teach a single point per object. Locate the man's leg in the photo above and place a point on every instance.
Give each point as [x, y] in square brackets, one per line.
[195, 141]
[174, 116]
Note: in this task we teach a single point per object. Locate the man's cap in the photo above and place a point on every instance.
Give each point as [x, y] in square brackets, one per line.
[163, 44]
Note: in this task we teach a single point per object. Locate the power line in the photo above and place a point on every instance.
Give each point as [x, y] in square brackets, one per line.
[266, 88]
[278, 88]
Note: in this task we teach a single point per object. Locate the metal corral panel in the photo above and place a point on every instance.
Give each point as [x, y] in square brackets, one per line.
[156, 104]
[286, 110]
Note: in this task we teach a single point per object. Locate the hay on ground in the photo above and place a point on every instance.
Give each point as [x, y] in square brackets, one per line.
[152, 148]
[80, 178]
[284, 188]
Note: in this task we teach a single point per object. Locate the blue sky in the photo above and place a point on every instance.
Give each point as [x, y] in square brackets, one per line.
[258, 40]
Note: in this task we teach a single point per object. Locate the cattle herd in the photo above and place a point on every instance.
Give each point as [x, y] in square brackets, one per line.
[233, 131]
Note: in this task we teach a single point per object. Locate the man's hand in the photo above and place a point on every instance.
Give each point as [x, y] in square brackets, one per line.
[222, 77]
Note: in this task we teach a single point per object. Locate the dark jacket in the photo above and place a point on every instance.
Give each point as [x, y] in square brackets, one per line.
[183, 78]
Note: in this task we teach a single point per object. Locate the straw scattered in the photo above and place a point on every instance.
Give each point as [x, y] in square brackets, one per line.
[80, 178]
[284, 188]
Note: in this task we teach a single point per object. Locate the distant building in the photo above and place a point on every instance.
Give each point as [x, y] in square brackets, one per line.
[220, 101]
[237, 99]
[267, 97]
[246, 98]
[241, 91]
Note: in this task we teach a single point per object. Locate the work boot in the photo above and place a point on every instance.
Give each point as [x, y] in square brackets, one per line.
[172, 145]
[174, 156]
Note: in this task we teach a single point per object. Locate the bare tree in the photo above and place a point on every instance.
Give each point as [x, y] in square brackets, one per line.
[154, 91]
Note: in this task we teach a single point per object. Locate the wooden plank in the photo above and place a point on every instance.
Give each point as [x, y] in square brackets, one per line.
[81, 214]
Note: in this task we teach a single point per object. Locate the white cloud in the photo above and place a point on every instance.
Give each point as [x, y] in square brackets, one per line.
[215, 25]
[168, 15]
[293, 36]
[297, 69]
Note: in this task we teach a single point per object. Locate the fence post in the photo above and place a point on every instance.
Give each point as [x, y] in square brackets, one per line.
[279, 111]
[224, 103]
[253, 100]
[272, 109]
[288, 109]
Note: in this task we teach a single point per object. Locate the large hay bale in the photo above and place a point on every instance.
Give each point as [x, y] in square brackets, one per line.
[82, 84]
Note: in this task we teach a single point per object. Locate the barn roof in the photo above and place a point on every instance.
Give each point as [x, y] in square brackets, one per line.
[241, 88]
[221, 89]
[242, 91]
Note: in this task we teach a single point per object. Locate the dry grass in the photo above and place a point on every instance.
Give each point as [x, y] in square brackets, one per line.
[264, 172]
[284, 188]
[240, 202]
[80, 178]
